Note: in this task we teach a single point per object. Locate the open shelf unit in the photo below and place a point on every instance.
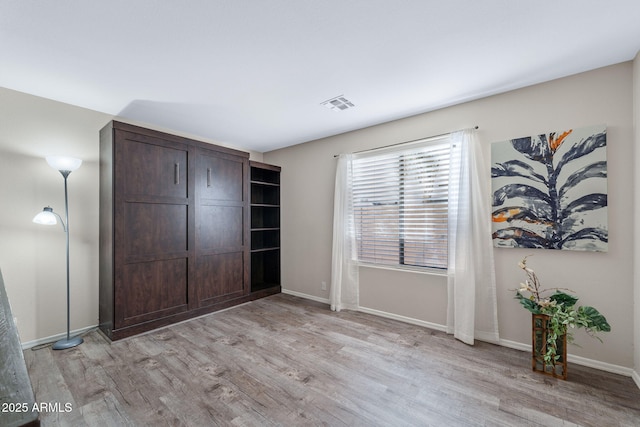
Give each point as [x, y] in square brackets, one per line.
[265, 227]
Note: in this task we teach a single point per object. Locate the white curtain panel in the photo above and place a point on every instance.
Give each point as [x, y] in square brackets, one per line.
[471, 306]
[344, 292]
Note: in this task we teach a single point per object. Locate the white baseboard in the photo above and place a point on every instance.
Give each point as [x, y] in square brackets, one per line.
[487, 337]
[578, 360]
[53, 338]
[608, 367]
[306, 296]
[515, 345]
[405, 319]
[636, 378]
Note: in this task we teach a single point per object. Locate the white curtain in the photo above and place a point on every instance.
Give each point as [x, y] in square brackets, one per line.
[344, 268]
[471, 307]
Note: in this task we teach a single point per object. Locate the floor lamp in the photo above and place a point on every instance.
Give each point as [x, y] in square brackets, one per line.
[65, 165]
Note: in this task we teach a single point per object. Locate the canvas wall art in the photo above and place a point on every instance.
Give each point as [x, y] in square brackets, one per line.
[550, 190]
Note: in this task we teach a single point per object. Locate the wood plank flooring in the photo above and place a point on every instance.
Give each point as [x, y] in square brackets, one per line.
[285, 361]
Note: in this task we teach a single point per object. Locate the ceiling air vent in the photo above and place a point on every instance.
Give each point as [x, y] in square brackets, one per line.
[339, 103]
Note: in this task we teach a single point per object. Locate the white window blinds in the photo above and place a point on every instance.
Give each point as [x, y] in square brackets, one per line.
[400, 199]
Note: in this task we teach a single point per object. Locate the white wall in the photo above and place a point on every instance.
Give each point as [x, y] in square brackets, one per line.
[32, 257]
[604, 280]
[636, 258]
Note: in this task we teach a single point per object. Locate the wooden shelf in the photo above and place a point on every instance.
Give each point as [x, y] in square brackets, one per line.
[265, 227]
[264, 250]
[265, 239]
[265, 195]
[264, 285]
[264, 173]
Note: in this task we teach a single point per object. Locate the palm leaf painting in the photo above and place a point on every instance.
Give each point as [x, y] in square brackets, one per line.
[550, 191]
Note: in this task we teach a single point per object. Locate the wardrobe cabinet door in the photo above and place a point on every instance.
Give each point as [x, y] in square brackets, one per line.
[220, 177]
[150, 290]
[149, 169]
[221, 240]
[155, 230]
[220, 228]
[151, 229]
[220, 277]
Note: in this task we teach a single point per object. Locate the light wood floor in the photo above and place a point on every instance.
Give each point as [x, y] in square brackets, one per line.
[287, 361]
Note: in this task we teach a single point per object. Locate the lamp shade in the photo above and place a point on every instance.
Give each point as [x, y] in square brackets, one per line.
[46, 217]
[62, 163]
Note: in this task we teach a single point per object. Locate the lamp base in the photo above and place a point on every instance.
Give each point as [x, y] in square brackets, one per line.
[64, 344]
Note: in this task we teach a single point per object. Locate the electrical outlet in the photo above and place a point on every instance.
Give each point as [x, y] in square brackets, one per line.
[324, 286]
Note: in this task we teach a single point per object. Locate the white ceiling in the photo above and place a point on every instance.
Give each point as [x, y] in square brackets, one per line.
[253, 73]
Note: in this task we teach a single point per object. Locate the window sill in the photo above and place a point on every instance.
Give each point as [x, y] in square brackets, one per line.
[419, 270]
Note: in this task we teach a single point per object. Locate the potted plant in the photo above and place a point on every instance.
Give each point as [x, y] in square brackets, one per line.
[554, 315]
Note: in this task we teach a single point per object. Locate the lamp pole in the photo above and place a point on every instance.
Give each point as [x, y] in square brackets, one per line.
[68, 342]
[64, 165]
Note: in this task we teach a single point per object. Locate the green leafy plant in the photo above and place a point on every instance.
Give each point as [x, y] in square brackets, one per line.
[559, 306]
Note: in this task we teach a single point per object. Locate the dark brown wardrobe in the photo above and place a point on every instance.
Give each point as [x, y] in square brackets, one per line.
[174, 229]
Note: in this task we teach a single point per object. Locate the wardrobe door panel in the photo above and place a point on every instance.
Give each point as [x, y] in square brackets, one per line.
[220, 277]
[221, 227]
[153, 229]
[220, 178]
[152, 170]
[150, 290]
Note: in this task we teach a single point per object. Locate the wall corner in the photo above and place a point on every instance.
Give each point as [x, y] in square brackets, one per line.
[636, 204]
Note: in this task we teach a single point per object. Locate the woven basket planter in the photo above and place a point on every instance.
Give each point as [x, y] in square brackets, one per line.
[558, 368]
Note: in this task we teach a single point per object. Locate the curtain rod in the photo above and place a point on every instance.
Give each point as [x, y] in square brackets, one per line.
[405, 142]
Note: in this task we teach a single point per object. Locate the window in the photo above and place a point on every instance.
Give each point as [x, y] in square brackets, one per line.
[400, 205]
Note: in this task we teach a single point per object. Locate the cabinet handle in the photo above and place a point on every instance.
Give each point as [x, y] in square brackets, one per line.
[177, 173]
[208, 177]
